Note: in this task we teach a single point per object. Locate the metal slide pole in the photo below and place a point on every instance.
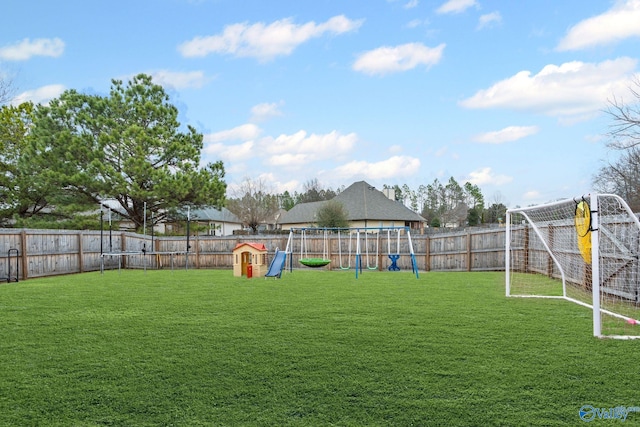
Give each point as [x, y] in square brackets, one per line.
[289, 249]
[414, 263]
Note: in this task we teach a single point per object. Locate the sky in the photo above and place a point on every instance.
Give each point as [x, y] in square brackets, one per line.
[508, 95]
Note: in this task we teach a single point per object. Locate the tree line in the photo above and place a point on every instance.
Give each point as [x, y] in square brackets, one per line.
[449, 204]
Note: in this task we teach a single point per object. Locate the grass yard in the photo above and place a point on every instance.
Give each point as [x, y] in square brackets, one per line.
[316, 348]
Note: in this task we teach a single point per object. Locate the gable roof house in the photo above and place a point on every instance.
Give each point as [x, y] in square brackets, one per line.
[213, 222]
[218, 222]
[365, 206]
[272, 222]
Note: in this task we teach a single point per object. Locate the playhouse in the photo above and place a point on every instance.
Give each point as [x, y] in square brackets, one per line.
[250, 259]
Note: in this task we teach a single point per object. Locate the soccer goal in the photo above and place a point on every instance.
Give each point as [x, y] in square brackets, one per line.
[585, 250]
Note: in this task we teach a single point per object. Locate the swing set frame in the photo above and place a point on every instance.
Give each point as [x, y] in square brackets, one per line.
[362, 256]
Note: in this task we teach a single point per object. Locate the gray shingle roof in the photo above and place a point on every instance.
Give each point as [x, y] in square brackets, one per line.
[301, 213]
[213, 214]
[361, 201]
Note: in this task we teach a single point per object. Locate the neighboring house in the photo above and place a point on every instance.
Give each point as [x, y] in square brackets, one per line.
[457, 217]
[207, 222]
[272, 223]
[217, 222]
[365, 206]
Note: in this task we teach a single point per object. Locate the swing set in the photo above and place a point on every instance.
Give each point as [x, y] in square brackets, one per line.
[365, 241]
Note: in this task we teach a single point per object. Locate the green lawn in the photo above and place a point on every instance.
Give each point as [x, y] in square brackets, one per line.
[315, 348]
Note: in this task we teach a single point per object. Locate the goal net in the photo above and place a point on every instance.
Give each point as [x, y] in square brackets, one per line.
[583, 250]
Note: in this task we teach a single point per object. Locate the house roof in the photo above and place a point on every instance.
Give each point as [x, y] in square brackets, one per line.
[214, 214]
[361, 201]
[301, 213]
[257, 246]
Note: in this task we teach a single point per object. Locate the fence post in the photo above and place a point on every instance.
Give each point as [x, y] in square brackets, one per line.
[468, 251]
[25, 264]
[197, 243]
[123, 248]
[427, 254]
[80, 257]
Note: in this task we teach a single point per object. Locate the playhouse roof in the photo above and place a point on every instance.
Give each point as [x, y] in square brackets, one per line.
[256, 246]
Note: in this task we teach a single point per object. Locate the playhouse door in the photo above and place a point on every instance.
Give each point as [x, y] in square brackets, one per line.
[245, 260]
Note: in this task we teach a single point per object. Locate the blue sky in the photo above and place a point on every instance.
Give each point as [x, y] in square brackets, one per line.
[507, 95]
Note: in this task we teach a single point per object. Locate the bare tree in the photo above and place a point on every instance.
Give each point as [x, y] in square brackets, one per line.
[625, 130]
[622, 175]
[497, 211]
[313, 192]
[7, 89]
[254, 203]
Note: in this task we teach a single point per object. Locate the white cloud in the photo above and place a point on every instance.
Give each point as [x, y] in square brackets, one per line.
[532, 195]
[287, 151]
[271, 180]
[415, 23]
[237, 168]
[441, 151]
[489, 20]
[411, 4]
[595, 139]
[299, 149]
[456, 6]
[42, 95]
[291, 186]
[263, 41]
[290, 160]
[404, 57]
[236, 152]
[570, 89]
[396, 148]
[240, 133]
[265, 111]
[396, 166]
[486, 176]
[508, 134]
[620, 22]
[179, 80]
[26, 48]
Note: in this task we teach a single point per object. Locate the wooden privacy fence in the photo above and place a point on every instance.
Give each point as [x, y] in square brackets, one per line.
[51, 252]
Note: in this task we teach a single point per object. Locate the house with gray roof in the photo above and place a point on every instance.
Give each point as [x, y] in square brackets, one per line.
[365, 206]
[219, 222]
[213, 222]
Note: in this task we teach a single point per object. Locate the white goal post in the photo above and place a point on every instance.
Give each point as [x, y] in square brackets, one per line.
[585, 250]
